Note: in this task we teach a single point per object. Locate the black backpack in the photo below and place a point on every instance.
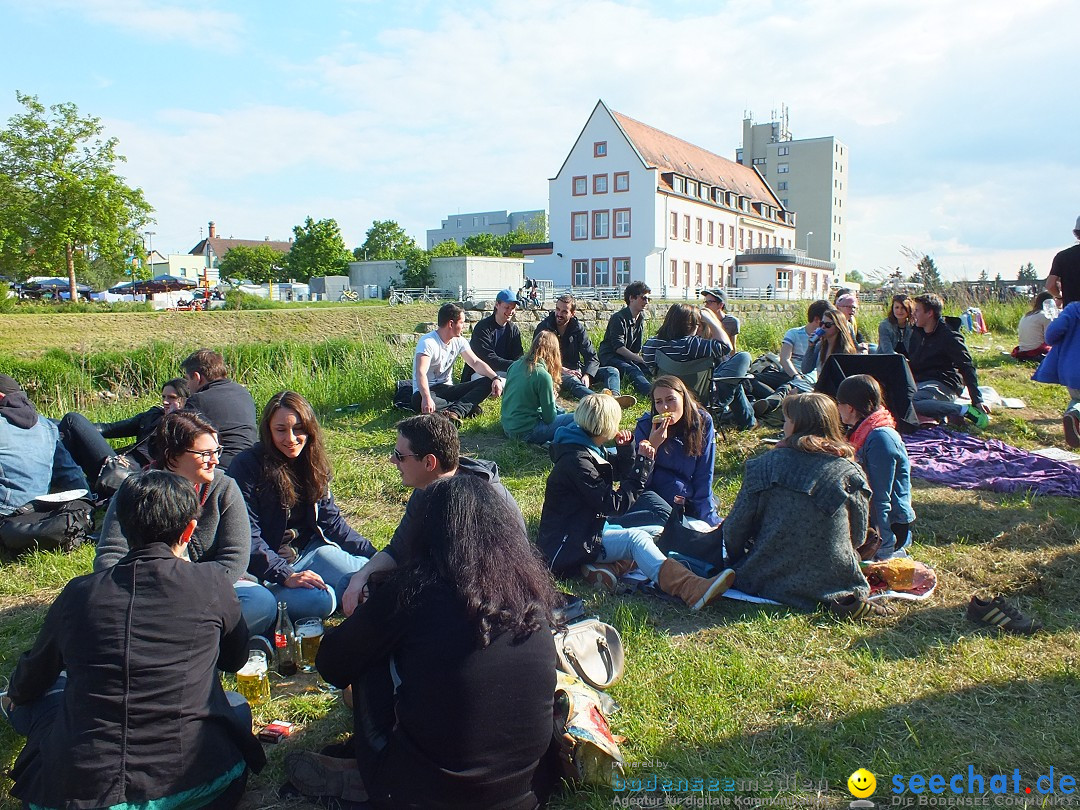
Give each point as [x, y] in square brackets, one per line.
[46, 526]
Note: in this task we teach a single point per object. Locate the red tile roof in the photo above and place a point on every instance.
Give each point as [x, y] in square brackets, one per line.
[670, 154]
[219, 247]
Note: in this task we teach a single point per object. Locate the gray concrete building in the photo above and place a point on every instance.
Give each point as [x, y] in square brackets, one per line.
[810, 176]
[460, 227]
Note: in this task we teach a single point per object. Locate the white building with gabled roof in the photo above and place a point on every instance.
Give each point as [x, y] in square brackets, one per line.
[632, 202]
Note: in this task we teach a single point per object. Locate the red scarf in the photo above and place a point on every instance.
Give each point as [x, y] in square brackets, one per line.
[879, 418]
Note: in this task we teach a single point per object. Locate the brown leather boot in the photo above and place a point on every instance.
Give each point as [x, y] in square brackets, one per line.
[606, 575]
[678, 580]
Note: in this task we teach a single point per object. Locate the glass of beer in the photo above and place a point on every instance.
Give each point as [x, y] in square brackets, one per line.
[309, 632]
[252, 681]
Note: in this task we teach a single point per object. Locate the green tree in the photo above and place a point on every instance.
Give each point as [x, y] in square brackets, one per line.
[1027, 274]
[984, 276]
[856, 277]
[259, 264]
[447, 248]
[416, 268]
[485, 244]
[318, 250]
[385, 240]
[62, 204]
[926, 273]
[998, 278]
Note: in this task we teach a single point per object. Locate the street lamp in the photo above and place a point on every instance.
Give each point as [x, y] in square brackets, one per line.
[808, 235]
[150, 255]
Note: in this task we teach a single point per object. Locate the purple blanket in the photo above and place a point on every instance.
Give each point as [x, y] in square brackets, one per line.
[965, 462]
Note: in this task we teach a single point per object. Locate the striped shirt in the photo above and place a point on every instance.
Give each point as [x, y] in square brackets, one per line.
[684, 349]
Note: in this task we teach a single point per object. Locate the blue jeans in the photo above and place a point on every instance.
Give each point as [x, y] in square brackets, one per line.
[732, 395]
[336, 567]
[259, 607]
[636, 374]
[632, 544]
[605, 377]
[545, 433]
[935, 399]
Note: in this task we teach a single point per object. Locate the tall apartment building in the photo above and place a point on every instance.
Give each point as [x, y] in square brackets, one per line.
[460, 227]
[810, 177]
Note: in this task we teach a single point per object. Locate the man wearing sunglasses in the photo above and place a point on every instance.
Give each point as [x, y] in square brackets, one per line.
[426, 450]
[621, 346]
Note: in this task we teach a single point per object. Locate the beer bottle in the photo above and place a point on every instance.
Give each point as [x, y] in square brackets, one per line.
[285, 655]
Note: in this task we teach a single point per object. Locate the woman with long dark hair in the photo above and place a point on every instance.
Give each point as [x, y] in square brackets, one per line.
[832, 337]
[894, 333]
[685, 441]
[300, 543]
[451, 664]
[801, 513]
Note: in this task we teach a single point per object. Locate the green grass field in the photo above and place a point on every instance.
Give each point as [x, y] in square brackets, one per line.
[786, 704]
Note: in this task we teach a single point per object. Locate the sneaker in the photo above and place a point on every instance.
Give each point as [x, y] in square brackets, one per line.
[453, 416]
[1071, 421]
[625, 400]
[1000, 615]
[977, 417]
[856, 607]
[317, 775]
[761, 407]
[476, 411]
[600, 576]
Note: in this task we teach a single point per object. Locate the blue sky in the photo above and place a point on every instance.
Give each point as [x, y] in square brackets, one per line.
[961, 117]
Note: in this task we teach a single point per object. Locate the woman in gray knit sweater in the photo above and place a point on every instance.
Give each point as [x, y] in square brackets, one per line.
[801, 513]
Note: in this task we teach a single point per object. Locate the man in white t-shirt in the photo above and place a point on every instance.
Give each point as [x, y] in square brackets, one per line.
[796, 343]
[433, 365]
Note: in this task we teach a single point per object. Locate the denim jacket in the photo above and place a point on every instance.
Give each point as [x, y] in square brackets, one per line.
[32, 462]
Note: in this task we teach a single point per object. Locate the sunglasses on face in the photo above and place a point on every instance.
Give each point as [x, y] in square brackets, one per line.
[827, 324]
[400, 457]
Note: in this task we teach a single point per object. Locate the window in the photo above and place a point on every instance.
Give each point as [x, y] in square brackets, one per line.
[697, 273]
[580, 220]
[691, 188]
[581, 272]
[741, 243]
[731, 235]
[679, 184]
[697, 229]
[622, 271]
[674, 273]
[782, 185]
[600, 223]
[686, 274]
[759, 161]
[581, 186]
[674, 228]
[783, 280]
[783, 150]
[720, 233]
[782, 168]
[622, 182]
[476, 222]
[622, 222]
[601, 277]
[599, 184]
[686, 227]
[704, 193]
[759, 238]
[712, 231]
[599, 149]
[709, 270]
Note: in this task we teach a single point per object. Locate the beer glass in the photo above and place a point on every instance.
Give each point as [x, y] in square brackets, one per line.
[309, 632]
[253, 681]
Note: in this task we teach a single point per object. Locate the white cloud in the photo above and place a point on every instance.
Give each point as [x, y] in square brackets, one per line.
[195, 23]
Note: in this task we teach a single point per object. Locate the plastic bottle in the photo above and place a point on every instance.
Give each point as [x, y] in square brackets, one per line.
[286, 656]
[1050, 309]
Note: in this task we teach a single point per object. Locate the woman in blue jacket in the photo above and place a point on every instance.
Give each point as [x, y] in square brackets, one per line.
[881, 452]
[301, 546]
[682, 433]
[1062, 365]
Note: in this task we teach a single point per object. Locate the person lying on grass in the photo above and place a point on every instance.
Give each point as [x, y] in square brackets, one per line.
[575, 536]
[801, 513]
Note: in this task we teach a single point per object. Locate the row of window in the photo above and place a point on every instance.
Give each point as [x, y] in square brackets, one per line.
[712, 233]
[720, 196]
[705, 275]
[600, 183]
[599, 272]
[601, 222]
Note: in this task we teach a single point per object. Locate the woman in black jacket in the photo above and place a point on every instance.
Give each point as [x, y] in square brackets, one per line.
[452, 666]
[580, 496]
[85, 440]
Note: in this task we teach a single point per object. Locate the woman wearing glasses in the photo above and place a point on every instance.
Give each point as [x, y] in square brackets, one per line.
[832, 337]
[187, 444]
[301, 545]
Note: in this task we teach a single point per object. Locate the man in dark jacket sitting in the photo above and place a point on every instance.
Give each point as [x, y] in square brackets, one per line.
[940, 364]
[427, 449]
[581, 369]
[496, 339]
[227, 405]
[140, 717]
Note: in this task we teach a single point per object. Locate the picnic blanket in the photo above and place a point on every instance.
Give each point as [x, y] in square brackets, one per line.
[961, 461]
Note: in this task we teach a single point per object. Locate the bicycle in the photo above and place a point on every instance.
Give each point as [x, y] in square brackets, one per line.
[398, 297]
[349, 295]
[431, 296]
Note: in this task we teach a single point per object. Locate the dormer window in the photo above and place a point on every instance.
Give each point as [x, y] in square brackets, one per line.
[599, 149]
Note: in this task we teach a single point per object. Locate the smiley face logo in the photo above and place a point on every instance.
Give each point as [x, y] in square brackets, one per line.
[861, 783]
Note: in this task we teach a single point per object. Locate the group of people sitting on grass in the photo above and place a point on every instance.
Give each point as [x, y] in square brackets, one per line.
[236, 515]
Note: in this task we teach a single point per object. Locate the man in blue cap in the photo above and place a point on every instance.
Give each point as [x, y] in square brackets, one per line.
[496, 339]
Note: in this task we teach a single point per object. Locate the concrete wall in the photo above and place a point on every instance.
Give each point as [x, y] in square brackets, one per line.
[451, 272]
